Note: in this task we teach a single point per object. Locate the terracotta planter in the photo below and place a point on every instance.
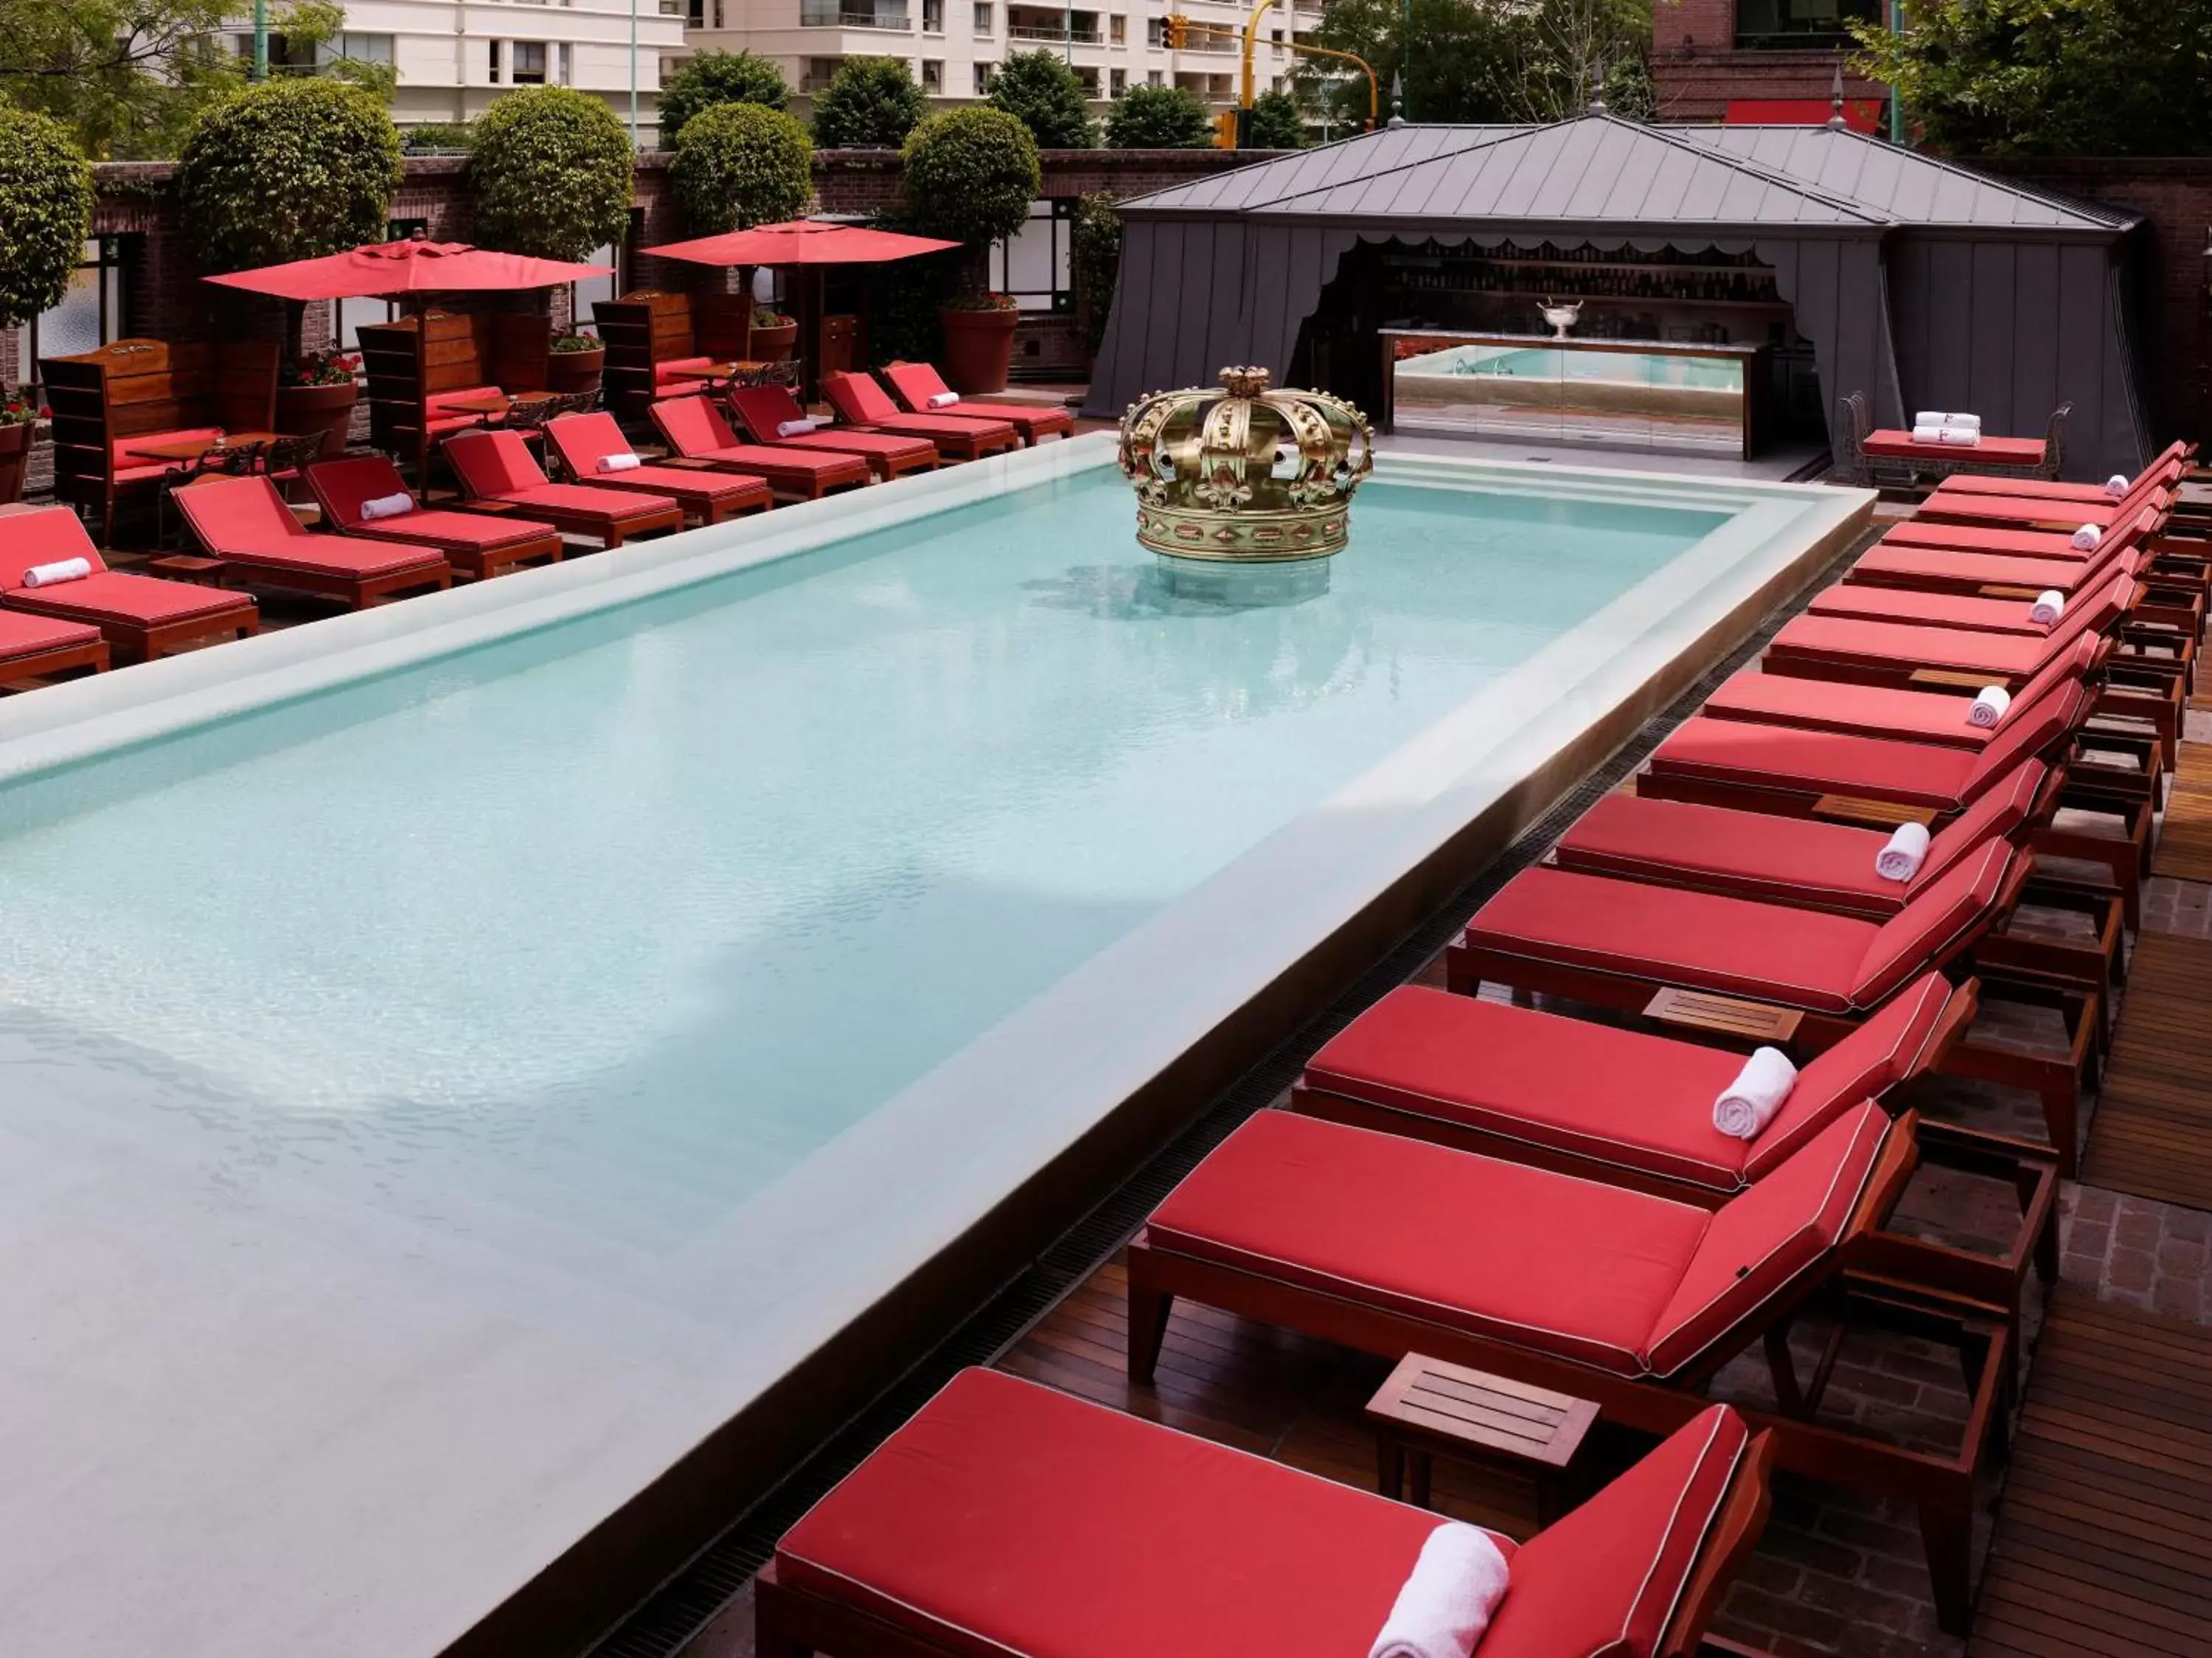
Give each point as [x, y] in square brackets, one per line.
[774, 345]
[15, 440]
[978, 348]
[304, 410]
[575, 371]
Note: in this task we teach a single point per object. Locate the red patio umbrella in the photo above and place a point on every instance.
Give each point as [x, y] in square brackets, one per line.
[384, 269]
[801, 242]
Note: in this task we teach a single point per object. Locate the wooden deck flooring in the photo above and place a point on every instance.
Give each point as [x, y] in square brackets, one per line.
[2104, 1542]
[2153, 1132]
[2185, 843]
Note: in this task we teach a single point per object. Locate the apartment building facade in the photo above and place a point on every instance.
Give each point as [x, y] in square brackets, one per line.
[955, 46]
[451, 57]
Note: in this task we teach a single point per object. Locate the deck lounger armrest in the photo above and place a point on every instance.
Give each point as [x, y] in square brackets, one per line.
[2025, 733]
[1935, 926]
[1907, 1036]
[1769, 1239]
[1996, 811]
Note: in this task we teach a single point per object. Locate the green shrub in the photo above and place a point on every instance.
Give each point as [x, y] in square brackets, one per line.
[1094, 254]
[970, 175]
[1277, 123]
[713, 78]
[288, 170]
[1041, 91]
[739, 165]
[872, 103]
[438, 135]
[553, 170]
[45, 210]
[1158, 117]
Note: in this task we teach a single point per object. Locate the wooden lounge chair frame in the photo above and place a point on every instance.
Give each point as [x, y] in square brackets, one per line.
[1940, 1487]
[791, 1621]
[478, 563]
[608, 532]
[882, 467]
[953, 444]
[62, 659]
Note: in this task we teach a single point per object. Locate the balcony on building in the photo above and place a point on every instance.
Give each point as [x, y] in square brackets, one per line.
[1054, 26]
[1801, 25]
[891, 16]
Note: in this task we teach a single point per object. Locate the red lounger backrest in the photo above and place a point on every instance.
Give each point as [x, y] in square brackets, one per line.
[764, 408]
[917, 382]
[1763, 1241]
[1929, 929]
[1889, 1048]
[693, 426]
[233, 515]
[1998, 811]
[2027, 732]
[494, 463]
[585, 440]
[341, 486]
[44, 537]
[859, 399]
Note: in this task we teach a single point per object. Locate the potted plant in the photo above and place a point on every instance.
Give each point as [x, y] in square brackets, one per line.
[970, 176]
[46, 212]
[775, 335]
[315, 393]
[576, 362]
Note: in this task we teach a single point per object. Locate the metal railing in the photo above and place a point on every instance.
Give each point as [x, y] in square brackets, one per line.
[830, 15]
[1090, 37]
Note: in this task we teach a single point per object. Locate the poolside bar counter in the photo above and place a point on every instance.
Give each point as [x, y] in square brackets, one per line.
[1594, 391]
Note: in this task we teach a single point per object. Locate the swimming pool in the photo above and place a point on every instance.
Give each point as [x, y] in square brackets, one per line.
[465, 1051]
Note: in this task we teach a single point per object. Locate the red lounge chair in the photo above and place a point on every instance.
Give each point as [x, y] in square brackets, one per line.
[1893, 561]
[498, 467]
[1611, 1104]
[706, 497]
[142, 617]
[923, 390]
[1893, 653]
[2027, 512]
[761, 410]
[1009, 1518]
[476, 544]
[35, 647]
[1632, 1301]
[245, 522]
[1969, 612]
[865, 406]
[2163, 473]
[695, 429]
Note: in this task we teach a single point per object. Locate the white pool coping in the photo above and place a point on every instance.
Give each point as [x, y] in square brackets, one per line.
[235, 1428]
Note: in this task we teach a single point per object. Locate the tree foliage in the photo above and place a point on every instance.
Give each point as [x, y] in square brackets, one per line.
[2052, 77]
[129, 78]
[553, 172]
[872, 103]
[1277, 122]
[1040, 90]
[288, 170]
[739, 165]
[970, 175]
[1158, 117]
[713, 78]
[1094, 254]
[45, 210]
[1486, 60]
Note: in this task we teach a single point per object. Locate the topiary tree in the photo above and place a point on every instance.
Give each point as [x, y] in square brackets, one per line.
[1158, 117]
[45, 211]
[739, 165]
[553, 172]
[713, 78]
[1277, 123]
[1094, 251]
[970, 177]
[288, 170]
[1041, 91]
[871, 103]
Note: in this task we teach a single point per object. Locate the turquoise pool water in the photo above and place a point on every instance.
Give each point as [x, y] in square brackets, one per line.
[620, 920]
[1624, 367]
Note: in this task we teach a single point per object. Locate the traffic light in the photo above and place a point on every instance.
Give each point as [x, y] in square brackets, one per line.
[1224, 129]
[1178, 33]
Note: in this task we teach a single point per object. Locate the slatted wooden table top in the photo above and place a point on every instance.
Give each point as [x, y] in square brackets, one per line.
[1460, 1411]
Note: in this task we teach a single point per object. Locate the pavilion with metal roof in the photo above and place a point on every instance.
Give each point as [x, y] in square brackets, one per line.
[1918, 282]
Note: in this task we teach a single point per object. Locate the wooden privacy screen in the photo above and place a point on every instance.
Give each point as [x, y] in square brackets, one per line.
[409, 362]
[135, 387]
[646, 327]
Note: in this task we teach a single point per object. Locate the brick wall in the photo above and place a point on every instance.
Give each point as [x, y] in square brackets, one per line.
[1697, 70]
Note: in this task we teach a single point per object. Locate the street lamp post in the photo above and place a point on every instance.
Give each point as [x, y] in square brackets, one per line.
[1896, 108]
[260, 39]
[633, 74]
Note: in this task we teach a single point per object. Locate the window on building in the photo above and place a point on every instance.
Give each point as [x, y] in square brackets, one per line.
[92, 309]
[696, 17]
[1088, 75]
[1153, 78]
[493, 46]
[1156, 31]
[718, 15]
[984, 21]
[353, 47]
[568, 76]
[1117, 82]
[529, 63]
[1117, 27]
[932, 76]
[1801, 22]
[933, 16]
[1032, 264]
[984, 73]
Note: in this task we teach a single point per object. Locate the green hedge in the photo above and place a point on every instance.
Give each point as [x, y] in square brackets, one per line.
[45, 211]
[1041, 91]
[869, 103]
[553, 172]
[713, 78]
[739, 165]
[286, 170]
[1158, 117]
[970, 175]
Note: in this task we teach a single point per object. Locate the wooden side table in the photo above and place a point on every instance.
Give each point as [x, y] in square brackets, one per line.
[188, 567]
[1429, 1407]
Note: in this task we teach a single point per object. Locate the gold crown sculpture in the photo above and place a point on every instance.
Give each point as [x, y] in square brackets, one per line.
[1253, 475]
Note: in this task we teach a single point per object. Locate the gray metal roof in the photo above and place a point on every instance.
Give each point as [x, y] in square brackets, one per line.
[1601, 170]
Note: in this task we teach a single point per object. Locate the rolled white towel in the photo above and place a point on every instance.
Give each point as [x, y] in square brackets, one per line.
[1905, 852]
[395, 505]
[2050, 605]
[619, 463]
[1447, 1601]
[1747, 1104]
[797, 427]
[1948, 418]
[2087, 539]
[62, 569]
[943, 399]
[1988, 707]
[1927, 434]
[1963, 436]
[2117, 485]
